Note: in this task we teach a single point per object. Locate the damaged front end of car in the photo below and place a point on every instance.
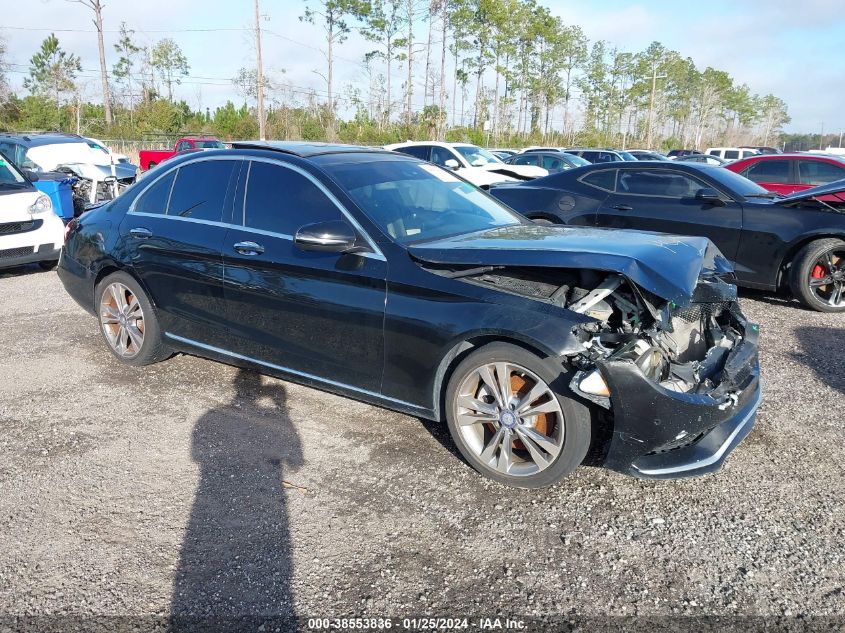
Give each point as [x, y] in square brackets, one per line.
[677, 380]
[681, 381]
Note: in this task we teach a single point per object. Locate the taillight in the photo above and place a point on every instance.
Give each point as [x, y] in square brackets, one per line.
[69, 228]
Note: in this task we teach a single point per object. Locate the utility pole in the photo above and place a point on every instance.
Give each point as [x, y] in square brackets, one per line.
[654, 79]
[259, 77]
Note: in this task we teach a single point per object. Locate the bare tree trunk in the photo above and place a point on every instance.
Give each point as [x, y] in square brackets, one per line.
[442, 114]
[432, 7]
[329, 77]
[455, 87]
[409, 88]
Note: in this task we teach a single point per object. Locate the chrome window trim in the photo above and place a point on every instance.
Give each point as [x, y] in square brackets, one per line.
[294, 372]
[376, 254]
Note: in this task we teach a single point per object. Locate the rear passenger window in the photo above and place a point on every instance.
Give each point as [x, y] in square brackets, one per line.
[605, 179]
[200, 190]
[154, 199]
[816, 172]
[282, 200]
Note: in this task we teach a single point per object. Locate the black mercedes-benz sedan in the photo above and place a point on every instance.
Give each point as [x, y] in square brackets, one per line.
[795, 242]
[391, 280]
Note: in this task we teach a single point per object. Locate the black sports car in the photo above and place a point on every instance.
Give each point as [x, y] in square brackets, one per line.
[391, 280]
[797, 241]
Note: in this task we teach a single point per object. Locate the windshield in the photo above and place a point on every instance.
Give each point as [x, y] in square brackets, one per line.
[739, 184]
[9, 175]
[415, 202]
[209, 145]
[476, 156]
[626, 155]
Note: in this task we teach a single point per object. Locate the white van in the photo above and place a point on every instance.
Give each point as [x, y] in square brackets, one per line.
[731, 153]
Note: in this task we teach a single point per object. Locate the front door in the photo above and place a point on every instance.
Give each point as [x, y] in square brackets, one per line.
[664, 200]
[318, 314]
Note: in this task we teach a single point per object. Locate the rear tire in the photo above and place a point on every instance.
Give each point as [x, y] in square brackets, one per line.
[128, 321]
[819, 261]
[511, 418]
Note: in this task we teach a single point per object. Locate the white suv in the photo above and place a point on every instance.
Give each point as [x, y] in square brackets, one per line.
[29, 230]
[731, 153]
[477, 165]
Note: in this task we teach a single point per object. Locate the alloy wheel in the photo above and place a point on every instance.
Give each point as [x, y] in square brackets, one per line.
[122, 320]
[827, 278]
[510, 419]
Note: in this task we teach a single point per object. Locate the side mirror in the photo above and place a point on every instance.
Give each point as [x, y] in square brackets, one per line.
[30, 175]
[334, 236]
[451, 163]
[708, 195]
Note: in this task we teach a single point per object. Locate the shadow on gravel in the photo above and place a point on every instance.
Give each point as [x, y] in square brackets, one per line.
[235, 566]
[772, 298]
[26, 269]
[822, 350]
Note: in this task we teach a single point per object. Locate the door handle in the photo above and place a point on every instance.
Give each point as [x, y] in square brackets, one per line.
[141, 233]
[623, 207]
[248, 248]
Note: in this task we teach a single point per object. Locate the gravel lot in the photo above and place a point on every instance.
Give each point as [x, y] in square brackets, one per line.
[195, 488]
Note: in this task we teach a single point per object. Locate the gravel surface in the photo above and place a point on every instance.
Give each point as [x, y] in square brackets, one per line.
[195, 488]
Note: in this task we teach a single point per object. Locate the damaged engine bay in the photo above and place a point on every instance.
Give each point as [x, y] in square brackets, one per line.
[683, 349]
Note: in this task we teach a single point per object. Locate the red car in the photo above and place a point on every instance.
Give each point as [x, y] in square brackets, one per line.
[788, 173]
[149, 158]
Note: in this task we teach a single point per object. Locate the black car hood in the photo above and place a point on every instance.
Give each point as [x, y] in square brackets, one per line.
[667, 265]
[837, 187]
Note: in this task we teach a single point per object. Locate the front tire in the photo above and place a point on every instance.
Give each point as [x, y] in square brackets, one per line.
[128, 322]
[511, 419]
[817, 275]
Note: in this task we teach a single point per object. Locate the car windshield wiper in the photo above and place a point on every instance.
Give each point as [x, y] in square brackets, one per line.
[769, 194]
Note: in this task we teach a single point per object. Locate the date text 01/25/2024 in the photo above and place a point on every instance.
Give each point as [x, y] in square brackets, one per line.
[417, 624]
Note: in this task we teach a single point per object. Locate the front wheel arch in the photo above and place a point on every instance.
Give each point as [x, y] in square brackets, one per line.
[457, 353]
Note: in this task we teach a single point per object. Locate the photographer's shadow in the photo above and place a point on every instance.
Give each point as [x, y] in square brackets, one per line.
[236, 563]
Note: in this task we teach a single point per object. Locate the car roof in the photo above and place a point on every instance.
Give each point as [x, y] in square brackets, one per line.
[36, 140]
[304, 149]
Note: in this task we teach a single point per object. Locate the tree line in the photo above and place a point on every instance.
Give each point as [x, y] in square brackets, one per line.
[499, 72]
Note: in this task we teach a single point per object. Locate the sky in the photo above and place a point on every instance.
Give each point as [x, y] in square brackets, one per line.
[791, 49]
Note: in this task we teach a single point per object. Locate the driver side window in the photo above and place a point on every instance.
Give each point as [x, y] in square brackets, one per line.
[665, 184]
[281, 200]
[439, 156]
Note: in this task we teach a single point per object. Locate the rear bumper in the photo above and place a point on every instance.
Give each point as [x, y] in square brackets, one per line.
[78, 281]
[660, 434]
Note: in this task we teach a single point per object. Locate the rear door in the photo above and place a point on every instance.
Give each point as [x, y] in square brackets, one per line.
[812, 173]
[317, 314]
[663, 200]
[173, 237]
